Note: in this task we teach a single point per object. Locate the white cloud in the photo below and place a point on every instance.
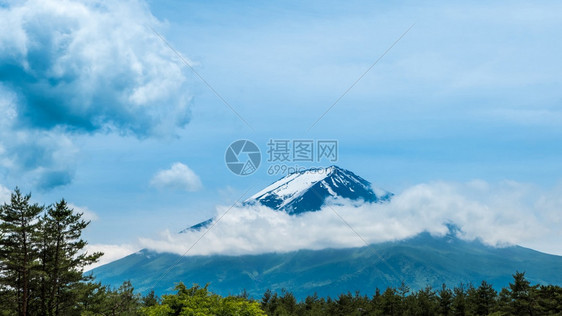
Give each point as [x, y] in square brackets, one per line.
[178, 177]
[81, 67]
[90, 65]
[501, 214]
[45, 158]
[87, 214]
[5, 194]
[111, 253]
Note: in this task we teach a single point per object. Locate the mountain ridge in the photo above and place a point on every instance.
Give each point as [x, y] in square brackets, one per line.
[418, 261]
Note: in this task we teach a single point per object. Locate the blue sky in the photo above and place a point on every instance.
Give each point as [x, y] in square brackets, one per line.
[96, 104]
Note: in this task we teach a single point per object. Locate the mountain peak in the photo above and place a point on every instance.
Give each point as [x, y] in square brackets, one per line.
[307, 190]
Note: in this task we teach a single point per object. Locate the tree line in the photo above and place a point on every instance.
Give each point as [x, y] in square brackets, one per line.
[42, 259]
[519, 298]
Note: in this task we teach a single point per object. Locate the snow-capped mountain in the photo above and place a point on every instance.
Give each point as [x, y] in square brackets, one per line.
[308, 190]
[419, 261]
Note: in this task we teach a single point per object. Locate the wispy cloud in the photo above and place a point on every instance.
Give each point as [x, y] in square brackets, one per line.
[178, 177]
[87, 214]
[111, 253]
[503, 214]
[4, 194]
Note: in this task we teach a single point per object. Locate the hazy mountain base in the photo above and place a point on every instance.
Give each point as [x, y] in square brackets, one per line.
[418, 262]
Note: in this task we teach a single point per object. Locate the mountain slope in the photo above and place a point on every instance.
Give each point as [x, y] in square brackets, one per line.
[419, 261]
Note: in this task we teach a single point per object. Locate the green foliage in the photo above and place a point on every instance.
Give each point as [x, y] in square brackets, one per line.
[198, 301]
[61, 257]
[41, 257]
[19, 251]
[520, 298]
[483, 299]
[445, 301]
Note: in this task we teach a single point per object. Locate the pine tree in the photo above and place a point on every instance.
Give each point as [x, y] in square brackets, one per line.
[150, 299]
[391, 302]
[445, 301]
[550, 299]
[376, 301]
[62, 257]
[459, 300]
[522, 295]
[19, 248]
[485, 299]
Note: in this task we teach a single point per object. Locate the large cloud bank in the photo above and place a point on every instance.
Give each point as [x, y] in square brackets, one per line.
[503, 214]
[70, 67]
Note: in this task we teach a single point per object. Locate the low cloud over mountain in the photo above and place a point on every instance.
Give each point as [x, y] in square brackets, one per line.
[498, 214]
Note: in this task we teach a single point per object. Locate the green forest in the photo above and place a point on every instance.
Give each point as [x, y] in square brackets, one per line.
[42, 260]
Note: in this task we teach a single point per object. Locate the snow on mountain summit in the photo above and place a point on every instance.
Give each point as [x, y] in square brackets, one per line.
[292, 185]
[307, 190]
